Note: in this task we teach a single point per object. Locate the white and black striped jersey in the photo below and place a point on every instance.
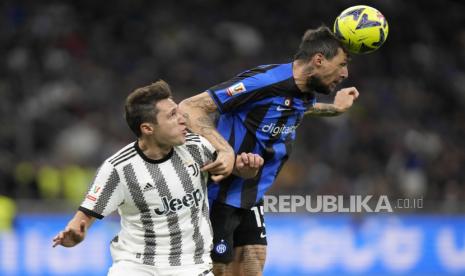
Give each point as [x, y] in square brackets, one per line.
[163, 204]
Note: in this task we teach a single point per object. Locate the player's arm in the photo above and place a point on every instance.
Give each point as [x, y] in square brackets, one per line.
[75, 231]
[247, 165]
[342, 102]
[198, 111]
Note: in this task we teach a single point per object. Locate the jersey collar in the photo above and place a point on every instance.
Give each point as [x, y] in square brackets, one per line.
[153, 161]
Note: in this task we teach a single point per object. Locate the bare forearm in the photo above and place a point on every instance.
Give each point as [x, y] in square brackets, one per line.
[199, 112]
[75, 231]
[78, 217]
[205, 126]
[323, 110]
[343, 100]
[75, 224]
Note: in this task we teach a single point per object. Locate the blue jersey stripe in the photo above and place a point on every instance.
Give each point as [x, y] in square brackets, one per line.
[240, 133]
[224, 126]
[269, 173]
[233, 197]
[260, 110]
[291, 121]
[245, 86]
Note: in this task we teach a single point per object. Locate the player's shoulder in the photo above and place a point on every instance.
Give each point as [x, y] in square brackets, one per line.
[258, 70]
[265, 75]
[123, 154]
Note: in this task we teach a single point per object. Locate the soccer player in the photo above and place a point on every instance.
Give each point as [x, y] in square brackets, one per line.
[259, 111]
[159, 188]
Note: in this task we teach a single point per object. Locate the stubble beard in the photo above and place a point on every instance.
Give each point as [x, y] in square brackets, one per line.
[315, 83]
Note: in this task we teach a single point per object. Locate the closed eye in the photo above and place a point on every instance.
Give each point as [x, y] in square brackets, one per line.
[172, 113]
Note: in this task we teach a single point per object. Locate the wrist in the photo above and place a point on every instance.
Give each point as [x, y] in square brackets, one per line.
[339, 108]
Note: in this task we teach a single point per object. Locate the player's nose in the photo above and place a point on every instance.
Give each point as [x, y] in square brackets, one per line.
[181, 118]
[344, 72]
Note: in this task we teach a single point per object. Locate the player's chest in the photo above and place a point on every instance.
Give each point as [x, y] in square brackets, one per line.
[169, 187]
[281, 115]
[273, 109]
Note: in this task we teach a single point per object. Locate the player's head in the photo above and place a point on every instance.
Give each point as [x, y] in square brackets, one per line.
[324, 59]
[150, 112]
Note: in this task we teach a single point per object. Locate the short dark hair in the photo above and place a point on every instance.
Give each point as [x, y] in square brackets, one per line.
[140, 104]
[321, 40]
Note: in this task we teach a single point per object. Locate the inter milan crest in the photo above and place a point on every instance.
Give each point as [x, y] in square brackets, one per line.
[221, 247]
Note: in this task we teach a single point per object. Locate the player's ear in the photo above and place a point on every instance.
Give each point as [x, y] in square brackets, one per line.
[318, 59]
[146, 128]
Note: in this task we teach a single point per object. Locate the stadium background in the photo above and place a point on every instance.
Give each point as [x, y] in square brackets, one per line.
[67, 67]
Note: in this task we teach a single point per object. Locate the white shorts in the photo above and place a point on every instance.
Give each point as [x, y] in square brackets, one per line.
[125, 268]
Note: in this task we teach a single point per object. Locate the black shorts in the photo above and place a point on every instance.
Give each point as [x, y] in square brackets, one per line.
[234, 227]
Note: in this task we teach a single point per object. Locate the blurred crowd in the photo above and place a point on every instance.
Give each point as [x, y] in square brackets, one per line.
[67, 67]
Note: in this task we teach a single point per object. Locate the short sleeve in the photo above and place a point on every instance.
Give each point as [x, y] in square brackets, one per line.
[252, 86]
[105, 193]
[232, 94]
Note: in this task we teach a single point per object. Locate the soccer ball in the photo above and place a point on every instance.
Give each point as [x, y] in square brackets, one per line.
[361, 28]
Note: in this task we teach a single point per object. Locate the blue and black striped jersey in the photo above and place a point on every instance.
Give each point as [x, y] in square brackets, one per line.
[260, 110]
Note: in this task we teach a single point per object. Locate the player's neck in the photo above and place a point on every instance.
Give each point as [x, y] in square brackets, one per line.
[152, 149]
[300, 73]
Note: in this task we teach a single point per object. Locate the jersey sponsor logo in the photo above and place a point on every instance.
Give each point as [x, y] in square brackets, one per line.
[176, 204]
[236, 89]
[262, 235]
[274, 130]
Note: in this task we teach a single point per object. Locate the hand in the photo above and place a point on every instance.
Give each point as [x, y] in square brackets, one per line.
[248, 165]
[70, 236]
[221, 167]
[345, 98]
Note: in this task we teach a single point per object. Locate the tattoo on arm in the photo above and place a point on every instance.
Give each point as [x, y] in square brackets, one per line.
[203, 121]
[214, 116]
[323, 110]
[204, 102]
[206, 127]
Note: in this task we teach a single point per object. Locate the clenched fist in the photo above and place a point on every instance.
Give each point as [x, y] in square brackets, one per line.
[345, 98]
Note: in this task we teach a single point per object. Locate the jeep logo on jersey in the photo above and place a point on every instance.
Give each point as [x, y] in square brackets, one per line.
[176, 204]
[235, 89]
[274, 130]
